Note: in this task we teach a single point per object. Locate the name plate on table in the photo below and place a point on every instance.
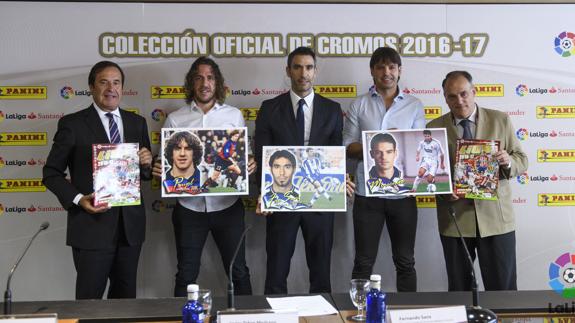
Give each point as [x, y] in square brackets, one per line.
[257, 316]
[29, 318]
[447, 314]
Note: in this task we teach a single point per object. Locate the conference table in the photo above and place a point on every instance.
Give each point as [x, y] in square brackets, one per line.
[503, 303]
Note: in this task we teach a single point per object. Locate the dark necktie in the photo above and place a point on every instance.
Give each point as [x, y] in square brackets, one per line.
[465, 123]
[300, 121]
[113, 127]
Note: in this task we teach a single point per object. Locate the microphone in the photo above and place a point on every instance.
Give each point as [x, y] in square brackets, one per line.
[475, 313]
[8, 292]
[230, 272]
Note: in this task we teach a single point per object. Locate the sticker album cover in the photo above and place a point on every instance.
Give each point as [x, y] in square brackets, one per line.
[476, 169]
[116, 174]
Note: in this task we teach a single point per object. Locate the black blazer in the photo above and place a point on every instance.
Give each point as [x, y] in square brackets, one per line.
[276, 124]
[72, 149]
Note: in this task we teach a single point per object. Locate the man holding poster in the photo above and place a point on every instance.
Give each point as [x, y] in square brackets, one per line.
[298, 118]
[106, 242]
[194, 217]
[383, 107]
[488, 226]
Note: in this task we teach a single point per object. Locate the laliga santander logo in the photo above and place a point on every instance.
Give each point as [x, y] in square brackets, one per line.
[67, 92]
[2, 116]
[158, 115]
[521, 134]
[565, 44]
[562, 275]
[521, 90]
[523, 178]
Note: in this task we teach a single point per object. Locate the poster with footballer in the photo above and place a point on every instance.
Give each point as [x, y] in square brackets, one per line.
[303, 178]
[116, 174]
[476, 169]
[406, 162]
[207, 161]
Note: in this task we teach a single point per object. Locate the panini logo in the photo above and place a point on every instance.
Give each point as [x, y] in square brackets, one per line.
[133, 110]
[250, 114]
[336, 91]
[489, 90]
[432, 112]
[555, 112]
[168, 92]
[23, 92]
[555, 155]
[23, 138]
[556, 199]
[21, 185]
[425, 201]
[155, 137]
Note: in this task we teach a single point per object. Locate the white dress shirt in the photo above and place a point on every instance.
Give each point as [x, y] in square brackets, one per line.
[219, 116]
[106, 123]
[307, 112]
[368, 112]
[472, 125]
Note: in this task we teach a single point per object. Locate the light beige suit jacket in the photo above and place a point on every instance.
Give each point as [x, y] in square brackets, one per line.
[493, 217]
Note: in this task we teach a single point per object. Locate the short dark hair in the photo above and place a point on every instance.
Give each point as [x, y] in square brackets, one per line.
[427, 132]
[282, 154]
[454, 74]
[305, 51]
[191, 139]
[98, 67]
[382, 137]
[385, 55]
[189, 81]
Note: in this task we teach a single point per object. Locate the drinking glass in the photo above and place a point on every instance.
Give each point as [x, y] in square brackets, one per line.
[205, 298]
[357, 291]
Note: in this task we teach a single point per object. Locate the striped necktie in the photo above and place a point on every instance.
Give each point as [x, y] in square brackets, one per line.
[113, 127]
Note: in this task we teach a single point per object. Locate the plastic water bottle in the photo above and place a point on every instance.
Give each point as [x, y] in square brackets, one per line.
[193, 311]
[375, 301]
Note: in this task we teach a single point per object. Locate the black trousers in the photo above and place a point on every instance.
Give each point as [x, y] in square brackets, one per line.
[191, 231]
[281, 234]
[119, 264]
[369, 216]
[496, 261]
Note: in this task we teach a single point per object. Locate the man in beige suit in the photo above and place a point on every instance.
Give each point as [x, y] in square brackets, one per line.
[488, 226]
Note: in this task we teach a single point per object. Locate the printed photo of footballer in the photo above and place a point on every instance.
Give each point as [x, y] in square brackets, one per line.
[406, 162]
[303, 178]
[204, 162]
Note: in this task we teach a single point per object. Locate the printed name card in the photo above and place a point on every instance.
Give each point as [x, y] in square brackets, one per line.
[258, 316]
[32, 318]
[447, 314]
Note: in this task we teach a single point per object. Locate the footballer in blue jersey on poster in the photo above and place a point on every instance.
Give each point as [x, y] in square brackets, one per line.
[282, 194]
[311, 168]
[303, 178]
